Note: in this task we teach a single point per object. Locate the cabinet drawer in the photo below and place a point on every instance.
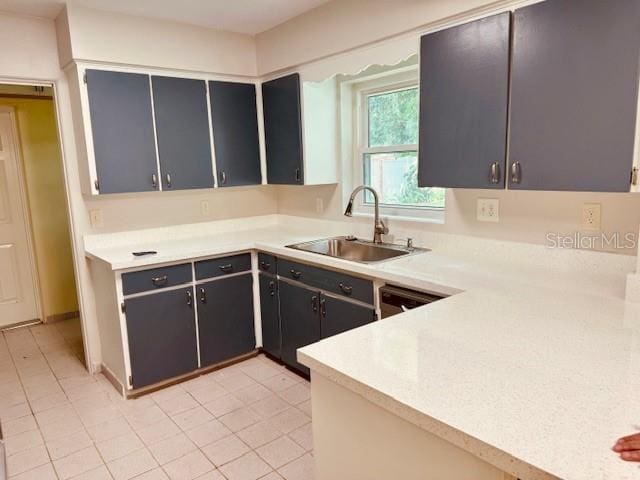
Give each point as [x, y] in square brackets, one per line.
[144, 280]
[330, 281]
[267, 263]
[218, 267]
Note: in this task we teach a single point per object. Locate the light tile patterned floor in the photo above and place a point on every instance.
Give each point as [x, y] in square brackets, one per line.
[246, 422]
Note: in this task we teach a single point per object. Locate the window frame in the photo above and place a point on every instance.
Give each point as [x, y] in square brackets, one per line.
[361, 92]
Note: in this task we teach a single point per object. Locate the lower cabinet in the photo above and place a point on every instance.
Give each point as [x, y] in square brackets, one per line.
[270, 312]
[225, 318]
[300, 321]
[338, 316]
[162, 336]
[308, 315]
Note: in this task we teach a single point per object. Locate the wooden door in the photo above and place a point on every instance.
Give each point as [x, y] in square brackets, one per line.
[162, 336]
[225, 318]
[300, 321]
[235, 133]
[18, 294]
[182, 129]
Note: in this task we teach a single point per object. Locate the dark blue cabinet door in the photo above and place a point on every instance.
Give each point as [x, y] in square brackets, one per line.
[574, 95]
[338, 316]
[464, 88]
[182, 127]
[269, 311]
[162, 336]
[300, 321]
[235, 133]
[225, 319]
[283, 130]
[122, 128]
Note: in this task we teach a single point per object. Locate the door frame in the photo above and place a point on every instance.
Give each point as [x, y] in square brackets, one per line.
[63, 126]
[26, 213]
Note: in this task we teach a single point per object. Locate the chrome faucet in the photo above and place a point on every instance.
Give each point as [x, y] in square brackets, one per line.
[379, 228]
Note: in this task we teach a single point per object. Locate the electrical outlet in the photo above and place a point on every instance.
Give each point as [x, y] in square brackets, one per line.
[591, 216]
[204, 208]
[488, 210]
[319, 205]
[95, 217]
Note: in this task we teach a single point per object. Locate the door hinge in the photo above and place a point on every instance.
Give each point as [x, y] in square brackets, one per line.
[84, 78]
[123, 307]
[131, 380]
[634, 176]
[96, 183]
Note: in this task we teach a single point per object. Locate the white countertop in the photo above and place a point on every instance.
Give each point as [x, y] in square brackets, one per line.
[533, 364]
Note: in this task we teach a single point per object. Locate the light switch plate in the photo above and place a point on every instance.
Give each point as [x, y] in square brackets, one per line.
[95, 216]
[488, 210]
[591, 216]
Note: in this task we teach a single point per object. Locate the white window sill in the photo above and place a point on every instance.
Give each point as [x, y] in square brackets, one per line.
[436, 217]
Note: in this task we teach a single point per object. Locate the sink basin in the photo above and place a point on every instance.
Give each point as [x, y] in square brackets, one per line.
[356, 250]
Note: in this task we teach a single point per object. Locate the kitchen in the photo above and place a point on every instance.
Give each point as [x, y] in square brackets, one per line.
[224, 248]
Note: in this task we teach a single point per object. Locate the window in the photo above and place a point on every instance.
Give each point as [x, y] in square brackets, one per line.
[388, 150]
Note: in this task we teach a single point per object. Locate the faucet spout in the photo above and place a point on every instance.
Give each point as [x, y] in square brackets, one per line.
[379, 228]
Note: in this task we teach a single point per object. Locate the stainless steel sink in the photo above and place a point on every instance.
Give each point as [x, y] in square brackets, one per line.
[349, 248]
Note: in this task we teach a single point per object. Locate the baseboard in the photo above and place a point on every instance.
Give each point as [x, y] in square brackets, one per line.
[26, 323]
[109, 375]
[60, 317]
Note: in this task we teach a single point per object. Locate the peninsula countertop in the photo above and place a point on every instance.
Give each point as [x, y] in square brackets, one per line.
[532, 363]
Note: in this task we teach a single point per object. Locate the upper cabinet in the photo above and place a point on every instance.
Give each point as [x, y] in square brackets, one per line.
[182, 129]
[234, 119]
[574, 96]
[122, 127]
[282, 109]
[464, 90]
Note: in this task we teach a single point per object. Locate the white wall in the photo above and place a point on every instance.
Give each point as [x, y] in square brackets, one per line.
[345, 36]
[123, 39]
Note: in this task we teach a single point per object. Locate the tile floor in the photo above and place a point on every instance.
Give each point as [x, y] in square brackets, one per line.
[246, 422]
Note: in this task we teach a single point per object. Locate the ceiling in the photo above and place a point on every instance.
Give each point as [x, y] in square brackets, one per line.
[244, 16]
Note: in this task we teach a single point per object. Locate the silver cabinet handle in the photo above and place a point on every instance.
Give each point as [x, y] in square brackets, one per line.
[314, 303]
[346, 289]
[495, 172]
[223, 178]
[272, 288]
[203, 296]
[189, 298]
[295, 273]
[516, 172]
[323, 307]
[297, 174]
[226, 268]
[154, 180]
[159, 281]
[168, 177]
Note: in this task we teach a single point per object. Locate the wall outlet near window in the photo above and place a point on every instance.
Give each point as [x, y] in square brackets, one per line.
[204, 208]
[591, 216]
[95, 217]
[488, 210]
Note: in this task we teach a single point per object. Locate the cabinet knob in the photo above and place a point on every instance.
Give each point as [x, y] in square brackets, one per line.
[516, 172]
[223, 178]
[495, 173]
[168, 178]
